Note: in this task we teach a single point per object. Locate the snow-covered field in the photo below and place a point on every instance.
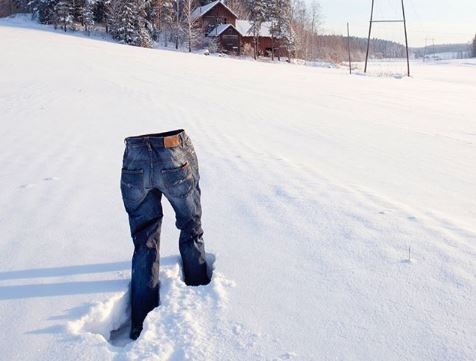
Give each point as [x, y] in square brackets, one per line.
[316, 187]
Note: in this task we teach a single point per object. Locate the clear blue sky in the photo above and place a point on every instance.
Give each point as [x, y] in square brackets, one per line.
[444, 21]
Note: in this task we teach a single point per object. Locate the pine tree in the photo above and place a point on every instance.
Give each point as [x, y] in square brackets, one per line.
[259, 13]
[128, 23]
[281, 29]
[44, 10]
[167, 19]
[78, 7]
[64, 12]
[111, 13]
[153, 10]
[88, 17]
[125, 22]
[143, 27]
[100, 10]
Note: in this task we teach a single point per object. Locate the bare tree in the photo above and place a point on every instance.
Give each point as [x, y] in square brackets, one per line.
[300, 21]
[315, 19]
[192, 31]
[177, 23]
[239, 8]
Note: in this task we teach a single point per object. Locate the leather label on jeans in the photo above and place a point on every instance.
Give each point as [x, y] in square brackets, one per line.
[172, 141]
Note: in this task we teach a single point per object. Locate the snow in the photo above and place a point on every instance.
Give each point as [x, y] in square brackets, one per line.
[245, 28]
[202, 10]
[217, 30]
[339, 211]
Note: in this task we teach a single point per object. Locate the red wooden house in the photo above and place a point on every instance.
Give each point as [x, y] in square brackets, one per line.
[218, 21]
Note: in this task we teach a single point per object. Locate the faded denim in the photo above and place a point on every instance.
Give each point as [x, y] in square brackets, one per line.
[153, 165]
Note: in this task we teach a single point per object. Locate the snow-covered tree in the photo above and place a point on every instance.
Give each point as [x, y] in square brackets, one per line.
[64, 12]
[167, 19]
[101, 12]
[88, 16]
[123, 28]
[78, 8]
[143, 27]
[259, 13]
[128, 23]
[153, 9]
[281, 29]
[44, 10]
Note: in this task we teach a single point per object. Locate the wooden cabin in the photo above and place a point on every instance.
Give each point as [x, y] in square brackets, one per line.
[218, 21]
[213, 14]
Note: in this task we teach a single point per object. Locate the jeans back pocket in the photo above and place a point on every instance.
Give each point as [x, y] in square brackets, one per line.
[132, 184]
[178, 181]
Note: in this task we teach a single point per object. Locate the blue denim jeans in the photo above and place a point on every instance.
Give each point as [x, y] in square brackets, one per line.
[156, 165]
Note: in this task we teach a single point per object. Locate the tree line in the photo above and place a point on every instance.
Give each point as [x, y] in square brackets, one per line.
[296, 23]
[140, 22]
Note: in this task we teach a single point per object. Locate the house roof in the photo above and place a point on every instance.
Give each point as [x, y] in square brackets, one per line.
[219, 29]
[245, 28]
[202, 10]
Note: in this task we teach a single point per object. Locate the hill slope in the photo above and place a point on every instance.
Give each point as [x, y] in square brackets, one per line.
[315, 184]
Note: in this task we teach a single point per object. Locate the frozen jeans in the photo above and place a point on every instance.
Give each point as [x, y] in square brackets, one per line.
[153, 165]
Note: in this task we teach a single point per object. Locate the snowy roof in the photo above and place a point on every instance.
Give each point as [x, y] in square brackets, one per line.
[202, 10]
[244, 27]
[217, 30]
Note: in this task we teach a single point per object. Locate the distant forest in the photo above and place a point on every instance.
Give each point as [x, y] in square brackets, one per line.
[460, 50]
[335, 48]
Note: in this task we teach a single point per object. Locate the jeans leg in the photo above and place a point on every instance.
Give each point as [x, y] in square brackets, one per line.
[188, 214]
[145, 222]
[192, 251]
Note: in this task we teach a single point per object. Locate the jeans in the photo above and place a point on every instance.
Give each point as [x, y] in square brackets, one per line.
[153, 165]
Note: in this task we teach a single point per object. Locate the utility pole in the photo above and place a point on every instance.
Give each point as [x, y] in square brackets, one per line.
[406, 38]
[370, 32]
[404, 21]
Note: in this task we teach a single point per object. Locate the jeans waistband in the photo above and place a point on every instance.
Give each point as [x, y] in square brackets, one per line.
[169, 139]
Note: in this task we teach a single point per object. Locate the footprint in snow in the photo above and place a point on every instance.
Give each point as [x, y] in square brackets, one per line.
[104, 317]
[31, 185]
[110, 320]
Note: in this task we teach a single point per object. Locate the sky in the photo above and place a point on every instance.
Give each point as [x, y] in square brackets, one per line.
[427, 20]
